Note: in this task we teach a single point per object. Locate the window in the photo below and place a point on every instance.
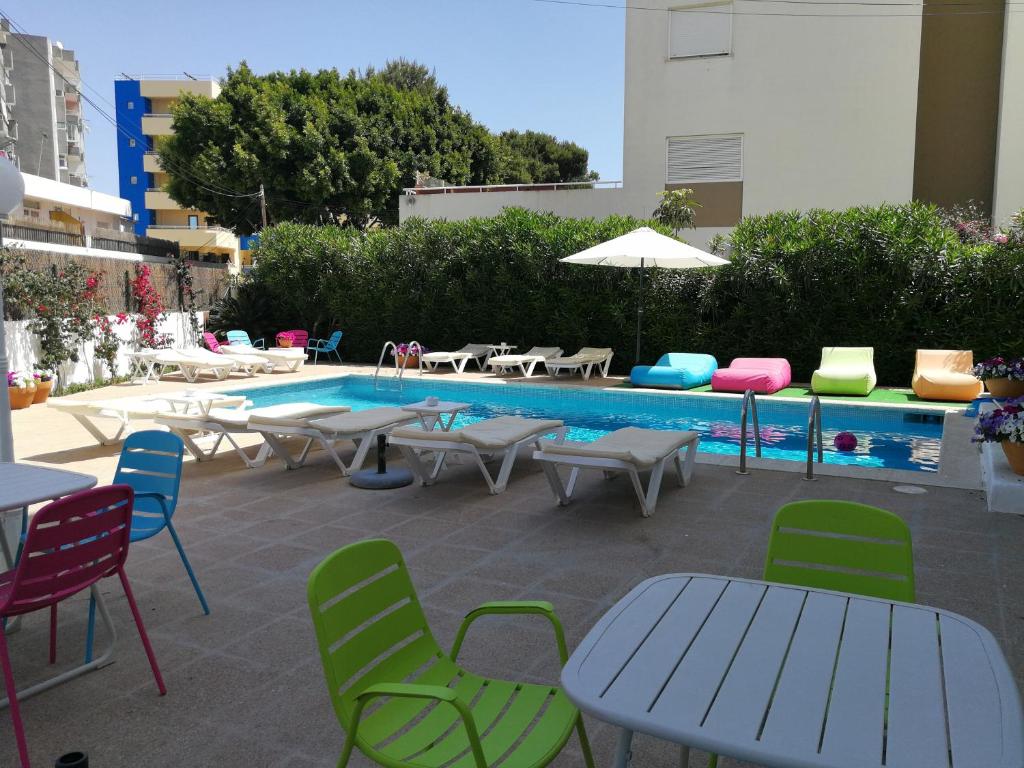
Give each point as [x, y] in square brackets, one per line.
[131, 142]
[700, 29]
[695, 159]
[133, 180]
[193, 221]
[131, 105]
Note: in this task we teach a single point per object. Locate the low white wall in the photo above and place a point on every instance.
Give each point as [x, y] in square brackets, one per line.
[456, 206]
[23, 348]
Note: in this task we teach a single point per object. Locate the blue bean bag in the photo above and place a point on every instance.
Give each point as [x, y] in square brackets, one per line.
[676, 370]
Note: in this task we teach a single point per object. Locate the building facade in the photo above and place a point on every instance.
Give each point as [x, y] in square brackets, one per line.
[763, 106]
[42, 125]
[143, 108]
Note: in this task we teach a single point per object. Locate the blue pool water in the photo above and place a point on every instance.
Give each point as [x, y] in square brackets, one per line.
[893, 438]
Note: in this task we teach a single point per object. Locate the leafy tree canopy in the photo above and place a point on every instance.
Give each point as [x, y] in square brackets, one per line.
[333, 148]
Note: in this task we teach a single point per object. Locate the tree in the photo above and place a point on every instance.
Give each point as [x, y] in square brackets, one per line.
[676, 210]
[330, 148]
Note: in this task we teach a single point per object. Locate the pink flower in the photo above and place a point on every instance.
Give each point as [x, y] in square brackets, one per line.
[1001, 238]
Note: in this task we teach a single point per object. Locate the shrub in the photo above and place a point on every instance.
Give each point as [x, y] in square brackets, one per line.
[893, 277]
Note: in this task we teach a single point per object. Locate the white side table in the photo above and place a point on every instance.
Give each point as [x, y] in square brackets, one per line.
[433, 415]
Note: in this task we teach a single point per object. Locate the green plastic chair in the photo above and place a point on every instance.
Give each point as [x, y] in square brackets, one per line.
[375, 644]
[843, 546]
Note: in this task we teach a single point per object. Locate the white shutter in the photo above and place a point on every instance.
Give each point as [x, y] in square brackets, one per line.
[703, 29]
[693, 159]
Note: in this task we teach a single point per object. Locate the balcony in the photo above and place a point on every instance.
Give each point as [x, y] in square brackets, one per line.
[200, 239]
[155, 124]
[158, 200]
[151, 163]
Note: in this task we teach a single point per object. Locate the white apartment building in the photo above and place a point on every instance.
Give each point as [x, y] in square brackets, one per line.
[762, 106]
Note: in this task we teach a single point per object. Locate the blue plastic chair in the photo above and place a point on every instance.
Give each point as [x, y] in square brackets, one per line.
[151, 464]
[242, 339]
[316, 346]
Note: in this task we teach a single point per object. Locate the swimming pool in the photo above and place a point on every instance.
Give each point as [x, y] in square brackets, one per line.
[892, 438]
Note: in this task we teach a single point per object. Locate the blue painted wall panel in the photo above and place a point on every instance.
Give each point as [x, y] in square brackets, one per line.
[129, 158]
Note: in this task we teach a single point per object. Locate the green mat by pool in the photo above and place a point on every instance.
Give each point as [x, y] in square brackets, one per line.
[879, 395]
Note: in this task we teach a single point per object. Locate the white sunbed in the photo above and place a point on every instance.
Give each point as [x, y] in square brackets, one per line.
[191, 363]
[459, 358]
[222, 423]
[290, 359]
[583, 362]
[525, 363]
[123, 411]
[631, 450]
[488, 438]
[245, 363]
[361, 427]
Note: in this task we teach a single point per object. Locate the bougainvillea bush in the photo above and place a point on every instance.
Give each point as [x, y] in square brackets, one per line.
[150, 310]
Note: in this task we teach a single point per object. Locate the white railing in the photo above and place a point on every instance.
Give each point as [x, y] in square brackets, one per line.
[541, 187]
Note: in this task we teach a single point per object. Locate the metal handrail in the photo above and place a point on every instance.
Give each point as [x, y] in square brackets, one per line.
[408, 354]
[748, 400]
[399, 371]
[813, 422]
[380, 360]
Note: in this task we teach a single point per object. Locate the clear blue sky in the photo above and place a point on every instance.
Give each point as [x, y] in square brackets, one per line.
[510, 63]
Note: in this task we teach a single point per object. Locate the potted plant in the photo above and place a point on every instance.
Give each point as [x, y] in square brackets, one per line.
[1004, 378]
[285, 339]
[1005, 426]
[44, 384]
[21, 388]
[406, 357]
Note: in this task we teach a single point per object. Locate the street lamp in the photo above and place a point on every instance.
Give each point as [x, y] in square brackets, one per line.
[12, 192]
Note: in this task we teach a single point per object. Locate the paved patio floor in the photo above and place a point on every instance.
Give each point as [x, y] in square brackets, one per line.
[244, 684]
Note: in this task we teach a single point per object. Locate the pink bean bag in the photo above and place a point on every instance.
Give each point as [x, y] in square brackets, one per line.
[764, 375]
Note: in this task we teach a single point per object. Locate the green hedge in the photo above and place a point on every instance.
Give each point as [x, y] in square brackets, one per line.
[893, 277]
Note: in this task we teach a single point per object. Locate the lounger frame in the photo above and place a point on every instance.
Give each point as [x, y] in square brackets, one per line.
[610, 467]
[426, 473]
[584, 367]
[191, 426]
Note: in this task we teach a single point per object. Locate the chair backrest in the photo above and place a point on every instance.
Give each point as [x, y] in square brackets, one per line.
[332, 343]
[239, 337]
[860, 357]
[594, 352]
[841, 545]
[476, 349]
[151, 463]
[71, 544]
[953, 360]
[364, 611]
[211, 342]
[301, 338]
[546, 352]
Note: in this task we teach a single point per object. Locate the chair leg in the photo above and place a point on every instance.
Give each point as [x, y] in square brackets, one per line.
[53, 633]
[188, 567]
[90, 632]
[19, 730]
[142, 631]
[581, 731]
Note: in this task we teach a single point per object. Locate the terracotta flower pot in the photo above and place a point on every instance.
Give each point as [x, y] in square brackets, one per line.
[21, 397]
[284, 343]
[1014, 455]
[1004, 387]
[43, 389]
[408, 361]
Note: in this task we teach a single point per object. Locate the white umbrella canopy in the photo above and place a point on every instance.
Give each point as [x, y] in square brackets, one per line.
[643, 248]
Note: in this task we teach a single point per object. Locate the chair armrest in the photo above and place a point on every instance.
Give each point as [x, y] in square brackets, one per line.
[438, 693]
[259, 343]
[509, 607]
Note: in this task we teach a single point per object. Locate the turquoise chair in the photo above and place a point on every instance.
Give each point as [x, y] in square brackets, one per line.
[241, 338]
[326, 346]
[675, 370]
[151, 464]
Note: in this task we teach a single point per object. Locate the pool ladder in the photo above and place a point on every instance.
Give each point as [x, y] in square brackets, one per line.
[749, 402]
[813, 429]
[399, 370]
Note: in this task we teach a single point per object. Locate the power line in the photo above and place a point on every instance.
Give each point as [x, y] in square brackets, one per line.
[735, 12]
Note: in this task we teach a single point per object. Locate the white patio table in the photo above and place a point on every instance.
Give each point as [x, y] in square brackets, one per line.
[798, 678]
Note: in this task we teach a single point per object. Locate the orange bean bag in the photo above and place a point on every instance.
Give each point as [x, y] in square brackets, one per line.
[945, 374]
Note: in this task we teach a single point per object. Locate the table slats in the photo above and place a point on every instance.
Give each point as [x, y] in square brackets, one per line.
[972, 697]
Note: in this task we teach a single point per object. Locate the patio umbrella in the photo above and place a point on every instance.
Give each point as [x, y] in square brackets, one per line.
[645, 248]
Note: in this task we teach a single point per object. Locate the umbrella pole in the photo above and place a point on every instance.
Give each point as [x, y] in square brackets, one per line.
[639, 310]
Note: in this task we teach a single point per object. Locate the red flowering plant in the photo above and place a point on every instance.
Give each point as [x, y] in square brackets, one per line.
[151, 309]
[107, 343]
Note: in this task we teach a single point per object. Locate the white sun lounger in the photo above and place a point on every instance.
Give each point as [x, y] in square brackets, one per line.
[288, 359]
[631, 450]
[191, 364]
[488, 438]
[583, 362]
[458, 359]
[223, 423]
[123, 411]
[525, 363]
[245, 363]
[361, 427]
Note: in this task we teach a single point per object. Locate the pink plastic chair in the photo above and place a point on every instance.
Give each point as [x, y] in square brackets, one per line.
[211, 342]
[71, 544]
